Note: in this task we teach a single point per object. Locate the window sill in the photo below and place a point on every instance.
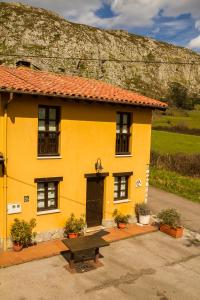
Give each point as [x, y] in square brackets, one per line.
[123, 155]
[46, 212]
[121, 201]
[49, 157]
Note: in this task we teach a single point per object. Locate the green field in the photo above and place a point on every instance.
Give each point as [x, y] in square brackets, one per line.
[174, 117]
[172, 182]
[170, 142]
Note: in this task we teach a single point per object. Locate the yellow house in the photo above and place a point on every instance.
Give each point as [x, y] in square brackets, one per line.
[70, 145]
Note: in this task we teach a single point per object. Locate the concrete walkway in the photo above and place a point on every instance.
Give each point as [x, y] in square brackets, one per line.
[149, 267]
[55, 247]
[190, 211]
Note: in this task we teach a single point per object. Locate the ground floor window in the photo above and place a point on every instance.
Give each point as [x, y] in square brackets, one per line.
[47, 193]
[121, 182]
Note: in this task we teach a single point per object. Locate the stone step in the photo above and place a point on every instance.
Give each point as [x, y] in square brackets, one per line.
[91, 230]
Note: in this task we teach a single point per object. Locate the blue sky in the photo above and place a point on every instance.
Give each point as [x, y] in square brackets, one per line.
[173, 21]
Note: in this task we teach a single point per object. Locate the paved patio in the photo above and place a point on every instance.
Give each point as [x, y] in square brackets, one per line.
[151, 267]
[52, 248]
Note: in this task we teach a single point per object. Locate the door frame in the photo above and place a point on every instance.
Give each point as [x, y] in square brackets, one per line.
[96, 175]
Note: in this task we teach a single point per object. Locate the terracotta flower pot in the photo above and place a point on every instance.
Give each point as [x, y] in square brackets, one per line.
[72, 235]
[174, 232]
[17, 247]
[121, 225]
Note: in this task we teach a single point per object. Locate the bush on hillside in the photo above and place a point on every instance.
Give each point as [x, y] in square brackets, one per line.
[180, 128]
[185, 164]
[179, 96]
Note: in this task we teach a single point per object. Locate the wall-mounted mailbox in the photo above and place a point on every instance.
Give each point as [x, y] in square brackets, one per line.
[14, 208]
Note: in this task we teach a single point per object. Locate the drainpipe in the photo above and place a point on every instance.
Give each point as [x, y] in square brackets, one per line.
[5, 201]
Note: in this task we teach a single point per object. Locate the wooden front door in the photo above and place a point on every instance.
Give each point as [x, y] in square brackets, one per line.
[94, 201]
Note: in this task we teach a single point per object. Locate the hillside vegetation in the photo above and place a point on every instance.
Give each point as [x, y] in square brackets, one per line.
[177, 117]
[175, 156]
[49, 42]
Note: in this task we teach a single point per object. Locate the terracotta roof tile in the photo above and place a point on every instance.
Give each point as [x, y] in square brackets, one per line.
[46, 83]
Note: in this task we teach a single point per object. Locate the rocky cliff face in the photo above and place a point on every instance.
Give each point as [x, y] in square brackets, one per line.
[51, 43]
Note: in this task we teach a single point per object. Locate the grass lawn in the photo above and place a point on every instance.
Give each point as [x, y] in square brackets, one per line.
[189, 118]
[172, 182]
[170, 142]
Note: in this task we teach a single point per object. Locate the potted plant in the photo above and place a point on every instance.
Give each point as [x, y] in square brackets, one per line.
[143, 213]
[170, 222]
[22, 233]
[120, 219]
[74, 226]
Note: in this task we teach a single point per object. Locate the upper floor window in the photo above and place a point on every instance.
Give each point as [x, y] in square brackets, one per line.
[48, 130]
[123, 133]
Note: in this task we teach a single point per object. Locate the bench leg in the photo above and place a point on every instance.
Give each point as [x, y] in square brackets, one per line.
[71, 260]
[96, 258]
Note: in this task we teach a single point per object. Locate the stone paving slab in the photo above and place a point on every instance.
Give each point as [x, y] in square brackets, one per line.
[116, 234]
[55, 247]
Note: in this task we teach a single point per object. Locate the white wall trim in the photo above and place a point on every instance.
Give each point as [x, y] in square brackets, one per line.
[121, 201]
[46, 212]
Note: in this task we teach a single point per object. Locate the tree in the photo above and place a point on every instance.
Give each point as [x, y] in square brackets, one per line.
[179, 96]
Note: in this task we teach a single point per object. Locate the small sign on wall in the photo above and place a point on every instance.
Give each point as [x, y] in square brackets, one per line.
[26, 198]
[138, 183]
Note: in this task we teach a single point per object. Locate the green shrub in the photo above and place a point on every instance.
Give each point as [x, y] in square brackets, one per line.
[185, 164]
[142, 209]
[179, 128]
[120, 218]
[170, 217]
[74, 225]
[22, 232]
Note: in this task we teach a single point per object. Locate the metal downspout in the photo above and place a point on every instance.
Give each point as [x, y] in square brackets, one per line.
[5, 178]
[5, 222]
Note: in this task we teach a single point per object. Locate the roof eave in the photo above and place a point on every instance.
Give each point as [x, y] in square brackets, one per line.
[77, 97]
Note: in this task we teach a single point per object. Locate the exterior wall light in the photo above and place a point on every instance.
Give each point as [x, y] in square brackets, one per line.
[2, 159]
[98, 166]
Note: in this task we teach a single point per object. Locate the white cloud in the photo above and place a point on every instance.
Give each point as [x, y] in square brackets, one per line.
[174, 8]
[156, 30]
[171, 28]
[197, 25]
[133, 13]
[67, 8]
[195, 43]
[127, 13]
